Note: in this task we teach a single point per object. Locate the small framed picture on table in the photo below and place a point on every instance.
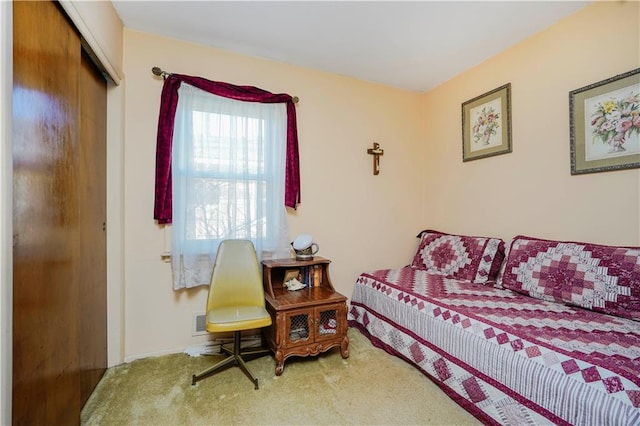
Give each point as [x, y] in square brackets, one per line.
[290, 274]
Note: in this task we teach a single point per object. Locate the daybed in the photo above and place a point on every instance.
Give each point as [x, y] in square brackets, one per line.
[550, 334]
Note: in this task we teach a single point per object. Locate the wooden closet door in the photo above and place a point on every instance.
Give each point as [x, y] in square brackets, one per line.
[59, 281]
[45, 216]
[93, 243]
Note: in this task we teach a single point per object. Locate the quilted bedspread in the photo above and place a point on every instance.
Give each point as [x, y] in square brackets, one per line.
[505, 357]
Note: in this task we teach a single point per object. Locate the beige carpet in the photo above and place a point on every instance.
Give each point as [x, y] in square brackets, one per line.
[369, 388]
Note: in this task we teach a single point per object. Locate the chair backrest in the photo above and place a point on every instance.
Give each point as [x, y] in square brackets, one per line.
[236, 279]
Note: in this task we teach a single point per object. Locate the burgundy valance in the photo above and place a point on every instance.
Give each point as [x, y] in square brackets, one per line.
[168, 104]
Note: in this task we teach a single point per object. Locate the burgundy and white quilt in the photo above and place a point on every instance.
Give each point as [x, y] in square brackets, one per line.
[505, 357]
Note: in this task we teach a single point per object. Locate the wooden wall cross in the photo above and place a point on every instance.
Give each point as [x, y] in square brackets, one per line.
[376, 151]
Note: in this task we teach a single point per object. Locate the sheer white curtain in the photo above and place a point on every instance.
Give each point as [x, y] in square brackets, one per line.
[228, 170]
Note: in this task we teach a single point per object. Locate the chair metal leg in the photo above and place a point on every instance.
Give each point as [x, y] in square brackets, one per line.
[236, 357]
[227, 362]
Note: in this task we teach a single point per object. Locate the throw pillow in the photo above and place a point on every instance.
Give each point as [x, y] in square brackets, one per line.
[461, 257]
[600, 278]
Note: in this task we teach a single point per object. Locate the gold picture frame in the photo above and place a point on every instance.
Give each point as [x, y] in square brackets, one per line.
[486, 124]
[605, 125]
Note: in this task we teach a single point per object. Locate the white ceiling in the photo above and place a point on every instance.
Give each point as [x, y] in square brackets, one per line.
[414, 45]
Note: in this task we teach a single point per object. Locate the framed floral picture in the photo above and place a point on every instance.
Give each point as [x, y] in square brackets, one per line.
[605, 124]
[486, 124]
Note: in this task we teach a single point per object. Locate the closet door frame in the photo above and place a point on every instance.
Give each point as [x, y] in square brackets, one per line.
[6, 185]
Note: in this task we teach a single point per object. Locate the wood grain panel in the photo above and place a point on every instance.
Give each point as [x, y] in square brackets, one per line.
[45, 219]
[93, 244]
[59, 278]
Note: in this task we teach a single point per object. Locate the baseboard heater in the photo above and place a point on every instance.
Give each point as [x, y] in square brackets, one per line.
[213, 347]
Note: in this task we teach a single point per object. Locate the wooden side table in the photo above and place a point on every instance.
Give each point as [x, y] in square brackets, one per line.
[306, 322]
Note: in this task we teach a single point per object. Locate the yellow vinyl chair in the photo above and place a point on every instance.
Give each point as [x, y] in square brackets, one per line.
[235, 303]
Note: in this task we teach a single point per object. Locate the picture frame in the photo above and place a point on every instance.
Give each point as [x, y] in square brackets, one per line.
[486, 124]
[290, 274]
[605, 124]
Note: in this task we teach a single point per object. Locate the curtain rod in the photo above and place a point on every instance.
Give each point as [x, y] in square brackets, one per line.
[160, 73]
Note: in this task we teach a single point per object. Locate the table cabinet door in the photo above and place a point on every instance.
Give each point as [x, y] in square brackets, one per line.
[330, 321]
[299, 329]
[314, 325]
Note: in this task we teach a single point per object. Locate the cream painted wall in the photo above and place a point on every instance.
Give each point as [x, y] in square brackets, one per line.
[531, 190]
[359, 220]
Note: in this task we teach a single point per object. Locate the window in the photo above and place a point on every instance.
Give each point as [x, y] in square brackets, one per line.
[228, 169]
[228, 177]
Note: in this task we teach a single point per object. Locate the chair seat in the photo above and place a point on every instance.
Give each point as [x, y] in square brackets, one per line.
[237, 318]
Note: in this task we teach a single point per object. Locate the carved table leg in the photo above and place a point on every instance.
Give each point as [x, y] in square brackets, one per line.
[279, 363]
[344, 347]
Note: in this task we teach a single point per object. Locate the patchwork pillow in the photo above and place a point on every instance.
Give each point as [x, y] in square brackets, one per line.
[600, 278]
[474, 259]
